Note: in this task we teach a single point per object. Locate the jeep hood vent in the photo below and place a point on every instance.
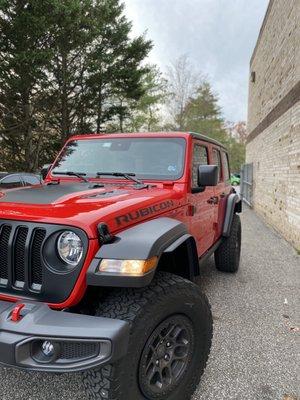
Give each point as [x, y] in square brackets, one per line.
[104, 195]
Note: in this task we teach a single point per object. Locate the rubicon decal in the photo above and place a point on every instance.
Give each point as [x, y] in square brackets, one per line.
[144, 212]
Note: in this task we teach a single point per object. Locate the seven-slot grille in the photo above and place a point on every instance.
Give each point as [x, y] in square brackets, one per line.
[20, 257]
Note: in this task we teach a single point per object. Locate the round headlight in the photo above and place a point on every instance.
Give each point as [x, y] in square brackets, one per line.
[70, 248]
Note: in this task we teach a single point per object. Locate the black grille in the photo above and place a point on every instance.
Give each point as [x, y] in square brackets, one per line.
[29, 265]
[4, 239]
[20, 257]
[78, 350]
[36, 262]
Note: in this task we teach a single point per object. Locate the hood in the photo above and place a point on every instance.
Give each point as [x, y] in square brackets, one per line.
[85, 206]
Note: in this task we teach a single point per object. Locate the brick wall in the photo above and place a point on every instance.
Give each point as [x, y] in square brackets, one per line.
[275, 155]
[276, 60]
[274, 119]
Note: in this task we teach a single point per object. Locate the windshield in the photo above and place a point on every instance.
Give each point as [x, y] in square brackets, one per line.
[147, 158]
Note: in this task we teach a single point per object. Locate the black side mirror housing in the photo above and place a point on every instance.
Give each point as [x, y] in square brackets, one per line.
[45, 169]
[208, 175]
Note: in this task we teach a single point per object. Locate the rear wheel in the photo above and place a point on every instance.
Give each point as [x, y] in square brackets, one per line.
[171, 332]
[227, 256]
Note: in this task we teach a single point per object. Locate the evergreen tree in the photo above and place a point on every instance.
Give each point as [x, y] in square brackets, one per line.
[73, 31]
[66, 67]
[115, 70]
[25, 54]
[146, 111]
[203, 115]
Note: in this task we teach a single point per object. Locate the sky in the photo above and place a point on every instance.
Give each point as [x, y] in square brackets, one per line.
[218, 36]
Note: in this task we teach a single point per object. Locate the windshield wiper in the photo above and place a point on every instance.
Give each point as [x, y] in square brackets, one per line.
[130, 176]
[80, 175]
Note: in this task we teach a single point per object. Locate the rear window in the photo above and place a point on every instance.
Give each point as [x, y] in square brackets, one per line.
[226, 171]
[216, 160]
[10, 182]
[200, 157]
[30, 180]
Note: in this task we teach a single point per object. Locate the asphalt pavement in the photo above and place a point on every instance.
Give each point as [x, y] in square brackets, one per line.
[255, 352]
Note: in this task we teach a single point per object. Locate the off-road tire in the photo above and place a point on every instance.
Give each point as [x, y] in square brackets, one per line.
[145, 309]
[227, 256]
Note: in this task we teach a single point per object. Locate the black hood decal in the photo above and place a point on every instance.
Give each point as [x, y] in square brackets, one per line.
[44, 194]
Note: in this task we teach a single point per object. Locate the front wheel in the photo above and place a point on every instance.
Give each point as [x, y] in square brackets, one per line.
[171, 332]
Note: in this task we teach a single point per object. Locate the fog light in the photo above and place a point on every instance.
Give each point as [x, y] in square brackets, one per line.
[48, 348]
[45, 351]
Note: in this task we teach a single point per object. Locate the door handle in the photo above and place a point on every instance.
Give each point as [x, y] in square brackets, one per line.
[213, 200]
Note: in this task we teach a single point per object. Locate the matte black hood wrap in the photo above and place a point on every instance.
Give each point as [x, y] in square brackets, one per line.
[49, 194]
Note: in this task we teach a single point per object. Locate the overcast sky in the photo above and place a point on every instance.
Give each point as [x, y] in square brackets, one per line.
[218, 36]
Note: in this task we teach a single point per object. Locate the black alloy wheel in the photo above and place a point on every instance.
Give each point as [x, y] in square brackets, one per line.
[166, 357]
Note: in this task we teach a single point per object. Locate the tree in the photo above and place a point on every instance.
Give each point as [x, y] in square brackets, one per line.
[194, 106]
[145, 115]
[183, 82]
[240, 131]
[115, 72]
[73, 32]
[237, 154]
[203, 115]
[68, 67]
[98, 66]
[25, 54]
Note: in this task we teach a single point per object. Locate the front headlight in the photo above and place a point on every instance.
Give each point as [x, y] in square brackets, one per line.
[70, 248]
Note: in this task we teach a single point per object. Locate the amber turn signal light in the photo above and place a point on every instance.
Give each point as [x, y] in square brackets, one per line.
[127, 267]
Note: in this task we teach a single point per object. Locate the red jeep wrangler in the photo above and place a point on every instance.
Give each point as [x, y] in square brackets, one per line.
[97, 264]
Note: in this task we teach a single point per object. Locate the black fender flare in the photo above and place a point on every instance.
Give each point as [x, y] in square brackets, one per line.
[233, 205]
[141, 242]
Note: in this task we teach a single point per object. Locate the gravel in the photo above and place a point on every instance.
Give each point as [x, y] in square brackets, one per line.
[255, 352]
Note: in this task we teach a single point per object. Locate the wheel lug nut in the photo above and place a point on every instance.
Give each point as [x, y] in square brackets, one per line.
[168, 344]
[167, 357]
[157, 362]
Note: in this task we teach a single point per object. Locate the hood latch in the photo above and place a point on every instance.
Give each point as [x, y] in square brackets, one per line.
[104, 234]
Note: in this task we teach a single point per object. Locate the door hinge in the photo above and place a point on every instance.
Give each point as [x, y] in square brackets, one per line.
[191, 210]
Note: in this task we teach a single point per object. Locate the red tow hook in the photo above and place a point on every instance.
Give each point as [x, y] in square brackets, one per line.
[16, 313]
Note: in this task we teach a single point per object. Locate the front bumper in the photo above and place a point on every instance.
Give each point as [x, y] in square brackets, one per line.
[78, 342]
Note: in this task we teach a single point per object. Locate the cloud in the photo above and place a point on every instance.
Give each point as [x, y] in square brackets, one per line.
[218, 36]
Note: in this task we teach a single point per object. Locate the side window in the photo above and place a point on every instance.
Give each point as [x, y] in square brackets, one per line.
[199, 158]
[216, 160]
[11, 182]
[30, 180]
[226, 173]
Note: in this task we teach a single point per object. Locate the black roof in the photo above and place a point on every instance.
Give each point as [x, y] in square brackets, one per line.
[207, 139]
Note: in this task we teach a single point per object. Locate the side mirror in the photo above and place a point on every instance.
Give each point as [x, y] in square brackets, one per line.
[45, 169]
[208, 175]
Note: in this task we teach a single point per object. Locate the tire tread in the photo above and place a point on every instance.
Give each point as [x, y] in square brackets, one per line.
[225, 254]
[127, 304]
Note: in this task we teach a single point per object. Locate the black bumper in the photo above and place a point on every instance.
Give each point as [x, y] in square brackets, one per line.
[78, 342]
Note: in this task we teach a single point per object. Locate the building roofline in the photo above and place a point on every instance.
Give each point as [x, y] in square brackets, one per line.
[271, 2]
